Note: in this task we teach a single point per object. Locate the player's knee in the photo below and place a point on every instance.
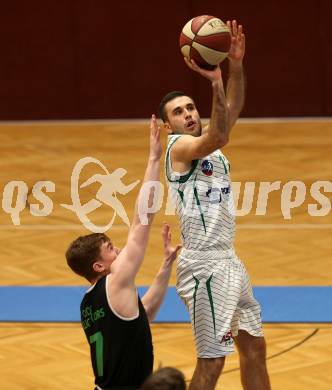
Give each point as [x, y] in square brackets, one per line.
[255, 351]
[212, 368]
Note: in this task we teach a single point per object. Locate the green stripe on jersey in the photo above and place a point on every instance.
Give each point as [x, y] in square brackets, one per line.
[200, 209]
[194, 297]
[208, 287]
[223, 163]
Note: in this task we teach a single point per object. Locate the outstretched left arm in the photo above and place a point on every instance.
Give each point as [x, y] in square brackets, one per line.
[156, 292]
[235, 92]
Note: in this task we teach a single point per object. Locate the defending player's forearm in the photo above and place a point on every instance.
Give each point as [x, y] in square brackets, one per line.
[235, 94]
[219, 127]
[154, 297]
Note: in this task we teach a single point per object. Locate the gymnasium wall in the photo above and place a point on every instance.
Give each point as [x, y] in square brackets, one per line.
[69, 59]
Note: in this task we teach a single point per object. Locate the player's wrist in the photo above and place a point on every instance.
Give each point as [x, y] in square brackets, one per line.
[217, 82]
[154, 158]
[166, 265]
[235, 64]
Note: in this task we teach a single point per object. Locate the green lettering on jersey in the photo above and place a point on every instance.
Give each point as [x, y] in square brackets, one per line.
[88, 316]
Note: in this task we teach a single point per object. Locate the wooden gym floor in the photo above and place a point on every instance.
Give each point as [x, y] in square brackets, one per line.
[292, 252]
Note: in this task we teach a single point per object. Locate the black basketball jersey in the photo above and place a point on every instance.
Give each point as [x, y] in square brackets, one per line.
[121, 350]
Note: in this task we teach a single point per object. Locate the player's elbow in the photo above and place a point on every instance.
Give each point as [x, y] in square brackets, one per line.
[151, 316]
[149, 310]
[218, 138]
[221, 140]
[210, 145]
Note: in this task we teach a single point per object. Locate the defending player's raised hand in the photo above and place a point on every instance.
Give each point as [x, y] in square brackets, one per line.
[155, 144]
[157, 290]
[170, 251]
[212, 75]
[238, 43]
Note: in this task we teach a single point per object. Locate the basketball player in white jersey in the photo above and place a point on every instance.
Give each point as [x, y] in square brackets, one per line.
[211, 280]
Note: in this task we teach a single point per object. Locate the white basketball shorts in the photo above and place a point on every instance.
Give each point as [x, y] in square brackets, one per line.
[216, 290]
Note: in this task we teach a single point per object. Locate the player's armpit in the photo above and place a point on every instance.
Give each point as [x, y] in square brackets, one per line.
[122, 299]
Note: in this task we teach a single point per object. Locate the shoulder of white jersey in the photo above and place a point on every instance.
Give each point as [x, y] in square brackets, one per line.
[172, 178]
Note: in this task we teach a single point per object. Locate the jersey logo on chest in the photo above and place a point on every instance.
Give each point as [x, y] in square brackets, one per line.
[207, 167]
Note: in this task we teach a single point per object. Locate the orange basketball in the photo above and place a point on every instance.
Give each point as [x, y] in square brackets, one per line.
[205, 39]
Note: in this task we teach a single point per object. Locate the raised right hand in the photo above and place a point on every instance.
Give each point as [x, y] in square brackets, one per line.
[212, 75]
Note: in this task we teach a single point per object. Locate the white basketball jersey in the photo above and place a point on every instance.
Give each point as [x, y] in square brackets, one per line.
[203, 201]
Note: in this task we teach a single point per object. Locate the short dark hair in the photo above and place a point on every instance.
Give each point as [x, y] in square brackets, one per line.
[166, 378]
[167, 98]
[83, 252]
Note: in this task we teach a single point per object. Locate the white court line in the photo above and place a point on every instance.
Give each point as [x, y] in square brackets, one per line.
[244, 226]
[294, 226]
[76, 226]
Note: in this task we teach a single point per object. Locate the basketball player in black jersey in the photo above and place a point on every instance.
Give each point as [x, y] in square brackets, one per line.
[114, 318]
